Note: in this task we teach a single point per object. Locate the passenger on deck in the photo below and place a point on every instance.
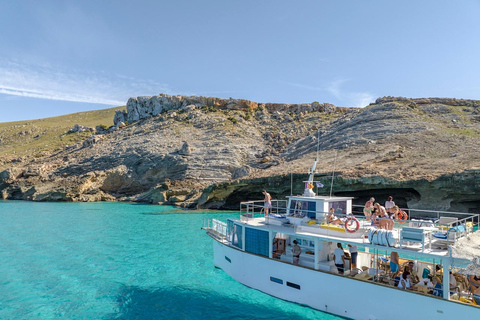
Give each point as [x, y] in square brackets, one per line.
[353, 254]
[296, 251]
[367, 211]
[339, 258]
[332, 219]
[413, 273]
[382, 216]
[396, 214]
[427, 282]
[405, 281]
[268, 201]
[475, 287]
[452, 281]
[389, 204]
[394, 267]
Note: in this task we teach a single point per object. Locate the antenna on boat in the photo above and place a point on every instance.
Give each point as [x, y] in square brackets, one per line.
[291, 182]
[309, 183]
[333, 173]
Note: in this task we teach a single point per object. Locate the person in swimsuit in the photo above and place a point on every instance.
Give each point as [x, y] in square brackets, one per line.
[268, 201]
[296, 251]
[367, 211]
[475, 287]
[332, 219]
[381, 213]
[394, 260]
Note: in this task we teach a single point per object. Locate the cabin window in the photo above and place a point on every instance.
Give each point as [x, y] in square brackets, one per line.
[256, 241]
[339, 206]
[293, 285]
[276, 280]
[237, 239]
[303, 208]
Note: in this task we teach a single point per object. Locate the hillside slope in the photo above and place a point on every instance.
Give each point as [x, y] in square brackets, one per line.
[210, 152]
[34, 138]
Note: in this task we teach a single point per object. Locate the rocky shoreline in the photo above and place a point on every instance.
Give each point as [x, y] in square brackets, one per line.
[201, 152]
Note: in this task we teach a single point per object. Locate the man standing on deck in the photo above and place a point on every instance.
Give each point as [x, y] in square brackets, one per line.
[339, 257]
[268, 201]
[296, 251]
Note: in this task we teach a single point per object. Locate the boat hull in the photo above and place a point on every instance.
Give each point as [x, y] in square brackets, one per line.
[343, 296]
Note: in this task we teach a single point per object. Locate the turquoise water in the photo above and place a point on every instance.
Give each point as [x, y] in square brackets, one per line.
[120, 261]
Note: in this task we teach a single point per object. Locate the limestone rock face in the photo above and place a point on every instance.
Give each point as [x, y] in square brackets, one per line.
[213, 153]
[120, 117]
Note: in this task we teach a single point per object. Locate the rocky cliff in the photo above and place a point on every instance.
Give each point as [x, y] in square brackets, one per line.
[212, 153]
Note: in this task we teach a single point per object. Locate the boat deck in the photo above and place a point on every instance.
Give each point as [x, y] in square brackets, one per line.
[412, 248]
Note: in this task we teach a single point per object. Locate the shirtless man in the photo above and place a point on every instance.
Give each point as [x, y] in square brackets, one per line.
[268, 201]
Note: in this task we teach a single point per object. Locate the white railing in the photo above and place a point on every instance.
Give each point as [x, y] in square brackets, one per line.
[216, 227]
[256, 208]
[463, 218]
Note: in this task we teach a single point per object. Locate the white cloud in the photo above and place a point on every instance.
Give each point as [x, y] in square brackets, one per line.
[349, 98]
[335, 88]
[46, 82]
[345, 98]
[361, 99]
[303, 86]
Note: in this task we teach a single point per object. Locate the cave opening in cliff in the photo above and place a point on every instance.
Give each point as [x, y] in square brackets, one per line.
[470, 206]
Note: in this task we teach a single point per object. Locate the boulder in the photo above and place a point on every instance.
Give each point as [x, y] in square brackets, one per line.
[79, 128]
[120, 117]
[91, 141]
[185, 150]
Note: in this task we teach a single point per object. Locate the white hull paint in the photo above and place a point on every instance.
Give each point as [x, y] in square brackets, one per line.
[334, 294]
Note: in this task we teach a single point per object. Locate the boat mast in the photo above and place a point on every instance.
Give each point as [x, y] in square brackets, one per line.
[333, 173]
[308, 192]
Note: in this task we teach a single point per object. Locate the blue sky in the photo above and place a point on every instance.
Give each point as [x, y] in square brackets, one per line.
[59, 57]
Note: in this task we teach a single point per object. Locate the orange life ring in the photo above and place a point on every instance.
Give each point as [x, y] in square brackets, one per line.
[348, 224]
[402, 216]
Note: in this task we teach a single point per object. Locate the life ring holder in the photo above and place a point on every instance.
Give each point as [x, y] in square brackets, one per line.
[349, 221]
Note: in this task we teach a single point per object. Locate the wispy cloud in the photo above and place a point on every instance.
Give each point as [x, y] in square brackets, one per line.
[336, 89]
[47, 82]
[303, 86]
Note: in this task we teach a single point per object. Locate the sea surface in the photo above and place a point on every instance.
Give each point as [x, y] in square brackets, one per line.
[120, 261]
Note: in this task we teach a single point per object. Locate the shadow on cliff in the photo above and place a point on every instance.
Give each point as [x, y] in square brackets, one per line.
[185, 303]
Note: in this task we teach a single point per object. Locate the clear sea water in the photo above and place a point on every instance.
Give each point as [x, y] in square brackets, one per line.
[120, 261]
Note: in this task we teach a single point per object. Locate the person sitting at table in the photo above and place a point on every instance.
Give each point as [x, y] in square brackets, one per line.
[413, 273]
[453, 282]
[427, 282]
[405, 281]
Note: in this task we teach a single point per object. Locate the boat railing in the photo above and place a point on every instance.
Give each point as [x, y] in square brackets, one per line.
[445, 221]
[215, 227]
[256, 208]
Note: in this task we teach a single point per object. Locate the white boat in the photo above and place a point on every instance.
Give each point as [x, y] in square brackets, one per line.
[256, 250]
